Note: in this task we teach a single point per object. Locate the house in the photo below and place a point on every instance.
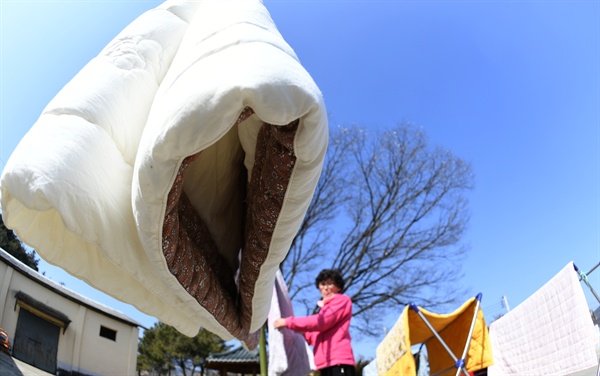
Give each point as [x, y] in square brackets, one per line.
[59, 331]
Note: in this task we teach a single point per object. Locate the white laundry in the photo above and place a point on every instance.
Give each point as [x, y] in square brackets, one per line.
[289, 354]
[550, 333]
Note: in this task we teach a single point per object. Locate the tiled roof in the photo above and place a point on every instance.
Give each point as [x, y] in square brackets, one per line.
[239, 361]
[239, 355]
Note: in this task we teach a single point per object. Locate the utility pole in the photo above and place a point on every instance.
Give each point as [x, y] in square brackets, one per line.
[505, 303]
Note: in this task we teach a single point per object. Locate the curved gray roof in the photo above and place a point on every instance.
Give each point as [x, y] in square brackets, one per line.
[63, 291]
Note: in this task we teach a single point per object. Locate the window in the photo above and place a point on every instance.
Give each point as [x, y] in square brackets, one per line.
[108, 333]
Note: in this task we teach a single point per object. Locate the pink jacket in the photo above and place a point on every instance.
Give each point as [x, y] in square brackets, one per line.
[327, 332]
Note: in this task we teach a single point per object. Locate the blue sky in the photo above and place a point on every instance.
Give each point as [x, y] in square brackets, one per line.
[513, 87]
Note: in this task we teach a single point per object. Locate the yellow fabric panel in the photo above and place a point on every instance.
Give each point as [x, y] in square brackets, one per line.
[454, 329]
[480, 350]
[394, 357]
[393, 353]
[404, 366]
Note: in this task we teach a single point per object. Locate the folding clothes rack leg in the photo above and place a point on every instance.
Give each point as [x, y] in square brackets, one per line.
[583, 277]
[458, 363]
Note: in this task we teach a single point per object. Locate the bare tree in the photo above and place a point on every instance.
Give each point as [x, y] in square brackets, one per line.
[389, 212]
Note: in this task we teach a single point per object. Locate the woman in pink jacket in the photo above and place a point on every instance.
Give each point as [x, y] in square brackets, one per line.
[327, 331]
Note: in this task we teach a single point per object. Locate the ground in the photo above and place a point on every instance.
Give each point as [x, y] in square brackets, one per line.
[14, 367]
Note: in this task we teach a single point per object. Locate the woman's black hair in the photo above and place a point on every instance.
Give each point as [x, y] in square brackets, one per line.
[332, 274]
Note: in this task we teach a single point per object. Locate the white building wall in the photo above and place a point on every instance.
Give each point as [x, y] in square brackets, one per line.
[80, 346]
[6, 319]
[97, 352]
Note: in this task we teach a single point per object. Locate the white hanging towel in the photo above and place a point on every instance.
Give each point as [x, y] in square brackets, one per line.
[196, 133]
[289, 354]
[371, 368]
[550, 333]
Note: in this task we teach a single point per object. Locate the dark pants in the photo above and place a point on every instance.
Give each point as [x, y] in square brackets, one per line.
[341, 370]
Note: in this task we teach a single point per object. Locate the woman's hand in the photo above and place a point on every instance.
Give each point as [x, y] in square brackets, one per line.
[279, 323]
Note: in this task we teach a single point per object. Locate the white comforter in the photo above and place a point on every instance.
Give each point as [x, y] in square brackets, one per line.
[173, 107]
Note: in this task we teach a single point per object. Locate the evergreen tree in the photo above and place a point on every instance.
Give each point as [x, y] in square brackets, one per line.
[11, 244]
[163, 349]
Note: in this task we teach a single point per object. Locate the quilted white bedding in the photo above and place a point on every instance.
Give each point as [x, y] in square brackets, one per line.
[550, 333]
[193, 140]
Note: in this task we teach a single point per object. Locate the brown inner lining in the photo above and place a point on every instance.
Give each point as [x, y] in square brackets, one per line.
[192, 255]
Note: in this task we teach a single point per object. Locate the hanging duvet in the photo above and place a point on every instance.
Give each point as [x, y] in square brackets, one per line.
[173, 171]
